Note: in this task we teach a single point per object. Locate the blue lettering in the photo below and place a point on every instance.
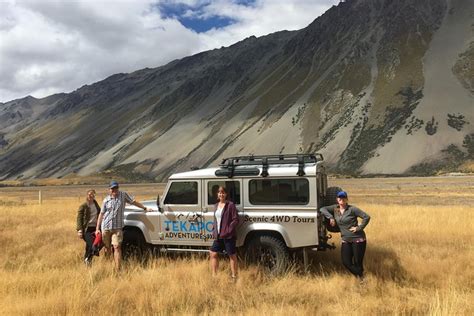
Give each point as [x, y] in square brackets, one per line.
[175, 226]
[185, 226]
[200, 226]
[193, 227]
[209, 226]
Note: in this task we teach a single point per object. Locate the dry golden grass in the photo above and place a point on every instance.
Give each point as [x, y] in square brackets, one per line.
[468, 166]
[419, 260]
[71, 179]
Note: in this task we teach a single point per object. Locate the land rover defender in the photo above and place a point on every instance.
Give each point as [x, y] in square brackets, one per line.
[277, 197]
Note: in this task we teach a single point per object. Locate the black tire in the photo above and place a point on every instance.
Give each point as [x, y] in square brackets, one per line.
[269, 253]
[331, 195]
[134, 245]
[330, 199]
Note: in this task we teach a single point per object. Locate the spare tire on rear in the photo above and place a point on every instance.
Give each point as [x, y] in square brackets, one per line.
[330, 199]
[331, 195]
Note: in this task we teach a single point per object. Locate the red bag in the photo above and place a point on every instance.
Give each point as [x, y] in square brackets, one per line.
[97, 245]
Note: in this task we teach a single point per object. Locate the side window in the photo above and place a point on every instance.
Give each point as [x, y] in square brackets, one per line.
[232, 188]
[182, 193]
[279, 191]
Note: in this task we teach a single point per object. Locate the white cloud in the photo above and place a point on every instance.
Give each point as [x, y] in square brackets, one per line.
[262, 18]
[55, 46]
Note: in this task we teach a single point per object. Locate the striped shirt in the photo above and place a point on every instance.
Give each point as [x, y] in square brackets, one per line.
[113, 209]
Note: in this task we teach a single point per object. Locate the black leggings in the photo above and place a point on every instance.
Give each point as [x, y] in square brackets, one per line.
[352, 254]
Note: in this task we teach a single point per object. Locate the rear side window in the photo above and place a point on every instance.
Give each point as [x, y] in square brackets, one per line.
[279, 191]
[232, 188]
[182, 193]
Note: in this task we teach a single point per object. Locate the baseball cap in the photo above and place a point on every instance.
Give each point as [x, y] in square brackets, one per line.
[113, 184]
[342, 194]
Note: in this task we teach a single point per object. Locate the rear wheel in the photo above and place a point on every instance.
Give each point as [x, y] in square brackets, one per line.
[269, 253]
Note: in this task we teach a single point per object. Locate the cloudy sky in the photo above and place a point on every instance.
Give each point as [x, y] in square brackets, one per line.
[50, 46]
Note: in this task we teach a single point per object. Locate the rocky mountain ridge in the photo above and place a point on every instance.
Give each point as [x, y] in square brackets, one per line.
[376, 86]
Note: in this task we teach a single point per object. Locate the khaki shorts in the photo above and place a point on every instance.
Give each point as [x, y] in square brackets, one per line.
[114, 237]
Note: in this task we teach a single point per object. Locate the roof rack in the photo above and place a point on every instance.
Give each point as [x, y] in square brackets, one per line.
[227, 166]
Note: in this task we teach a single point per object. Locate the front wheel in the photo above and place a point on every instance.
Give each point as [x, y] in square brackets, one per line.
[269, 253]
[133, 245]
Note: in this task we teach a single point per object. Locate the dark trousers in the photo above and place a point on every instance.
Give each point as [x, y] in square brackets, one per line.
[352, 254]
[89, 237]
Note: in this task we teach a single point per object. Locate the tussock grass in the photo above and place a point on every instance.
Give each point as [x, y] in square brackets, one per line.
[419, 260]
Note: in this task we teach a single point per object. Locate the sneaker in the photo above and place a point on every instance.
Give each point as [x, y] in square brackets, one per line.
[88, 262]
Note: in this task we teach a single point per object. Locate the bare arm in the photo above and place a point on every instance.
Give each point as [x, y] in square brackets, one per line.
[140, 205]
[99, 223]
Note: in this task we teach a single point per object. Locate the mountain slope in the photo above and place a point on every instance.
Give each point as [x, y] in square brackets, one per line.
[377, 86]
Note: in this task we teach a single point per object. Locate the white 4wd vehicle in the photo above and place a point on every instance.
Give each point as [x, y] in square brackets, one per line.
[277, 197]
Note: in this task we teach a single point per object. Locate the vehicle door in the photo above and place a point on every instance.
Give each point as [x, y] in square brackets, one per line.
[233, 188]
[182, 212]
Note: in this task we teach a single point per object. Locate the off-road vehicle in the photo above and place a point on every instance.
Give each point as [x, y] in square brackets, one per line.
[277, 196]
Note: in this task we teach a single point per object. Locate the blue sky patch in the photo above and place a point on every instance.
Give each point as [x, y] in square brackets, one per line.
[193, 17]
[201, 25]
[247, 3]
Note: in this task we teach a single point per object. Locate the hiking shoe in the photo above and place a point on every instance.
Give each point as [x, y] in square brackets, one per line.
[88, 262]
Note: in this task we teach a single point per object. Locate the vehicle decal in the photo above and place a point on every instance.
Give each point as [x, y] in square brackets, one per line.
[188, 235]
[187, 226]
[188, 229]
[278, 219]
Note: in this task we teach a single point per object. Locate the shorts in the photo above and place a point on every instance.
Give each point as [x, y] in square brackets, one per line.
[219, 245]
[114, 237]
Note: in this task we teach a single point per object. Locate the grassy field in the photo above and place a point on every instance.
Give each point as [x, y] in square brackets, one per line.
[420, 260]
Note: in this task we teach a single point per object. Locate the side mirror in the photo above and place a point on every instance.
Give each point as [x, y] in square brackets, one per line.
[158, 203]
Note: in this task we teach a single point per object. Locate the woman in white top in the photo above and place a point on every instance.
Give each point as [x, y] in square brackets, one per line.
[224, 232]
